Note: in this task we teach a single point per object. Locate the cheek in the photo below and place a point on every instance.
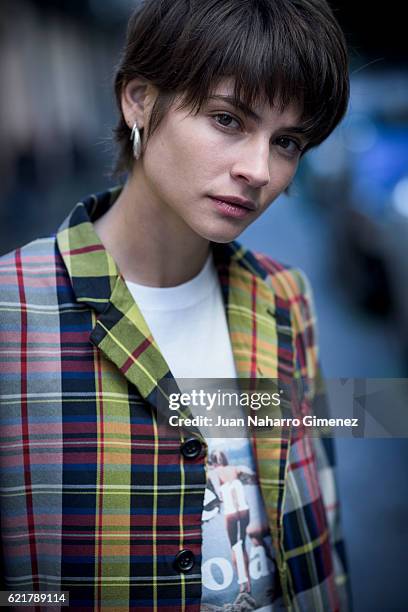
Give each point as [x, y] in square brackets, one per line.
[196, 151]
[163, 165]
[283, 175]
[182, 156]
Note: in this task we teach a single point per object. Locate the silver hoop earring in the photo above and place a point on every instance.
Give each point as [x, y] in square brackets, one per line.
[137, 141]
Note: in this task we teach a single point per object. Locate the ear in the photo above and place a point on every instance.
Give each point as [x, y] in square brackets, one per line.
[138, 97]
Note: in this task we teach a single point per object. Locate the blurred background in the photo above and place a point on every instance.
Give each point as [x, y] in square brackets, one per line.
[345, 223]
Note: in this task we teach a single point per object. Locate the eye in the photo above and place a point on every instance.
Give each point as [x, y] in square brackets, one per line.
[226, 120]
[289, 144]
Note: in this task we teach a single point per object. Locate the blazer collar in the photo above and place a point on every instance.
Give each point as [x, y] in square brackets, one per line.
[121, 331]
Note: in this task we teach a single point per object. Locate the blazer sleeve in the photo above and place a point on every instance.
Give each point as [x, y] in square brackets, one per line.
[324, 449]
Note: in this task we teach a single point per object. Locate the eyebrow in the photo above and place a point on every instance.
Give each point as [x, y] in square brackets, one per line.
[299, 129]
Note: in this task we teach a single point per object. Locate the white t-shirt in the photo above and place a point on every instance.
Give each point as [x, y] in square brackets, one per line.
[189, 325]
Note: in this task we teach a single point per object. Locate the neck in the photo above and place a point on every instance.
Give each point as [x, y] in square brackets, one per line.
[149, 242]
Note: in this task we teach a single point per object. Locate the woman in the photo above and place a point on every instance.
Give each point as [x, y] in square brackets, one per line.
[231, 492]
[218, 101]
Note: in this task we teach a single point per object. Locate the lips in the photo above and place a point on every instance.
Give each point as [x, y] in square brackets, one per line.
[230, 208]
[235, 201]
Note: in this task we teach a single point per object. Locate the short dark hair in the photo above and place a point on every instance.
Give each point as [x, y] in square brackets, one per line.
[280, 50]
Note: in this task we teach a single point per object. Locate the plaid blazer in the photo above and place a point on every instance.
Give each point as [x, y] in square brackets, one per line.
[93, 499]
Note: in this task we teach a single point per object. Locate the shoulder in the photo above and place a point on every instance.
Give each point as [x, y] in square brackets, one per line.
[289, 283]
[35, 257]
[31, 272]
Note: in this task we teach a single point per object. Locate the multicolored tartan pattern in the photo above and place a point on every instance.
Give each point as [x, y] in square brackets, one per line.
[93, 499]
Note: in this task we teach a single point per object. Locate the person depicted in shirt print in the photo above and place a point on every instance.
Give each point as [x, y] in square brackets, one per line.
[236, 509]
[247, 546]
[218, 101]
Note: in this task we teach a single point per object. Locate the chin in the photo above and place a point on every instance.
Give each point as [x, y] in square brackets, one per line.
[222, 235]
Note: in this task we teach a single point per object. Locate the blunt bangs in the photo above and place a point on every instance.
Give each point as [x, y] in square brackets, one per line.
[282, 51]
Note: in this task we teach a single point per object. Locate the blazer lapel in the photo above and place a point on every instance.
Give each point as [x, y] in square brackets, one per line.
[250, 309]
[120, 330]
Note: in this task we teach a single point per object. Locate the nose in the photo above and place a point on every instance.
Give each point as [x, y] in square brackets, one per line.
[252, 163]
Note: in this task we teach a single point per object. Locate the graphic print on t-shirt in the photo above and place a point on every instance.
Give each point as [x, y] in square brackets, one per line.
[238, 561]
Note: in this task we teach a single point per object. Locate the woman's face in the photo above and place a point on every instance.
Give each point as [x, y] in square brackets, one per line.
[220, 169]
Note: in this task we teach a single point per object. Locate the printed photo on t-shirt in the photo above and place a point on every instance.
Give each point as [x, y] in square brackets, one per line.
[238, 558]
